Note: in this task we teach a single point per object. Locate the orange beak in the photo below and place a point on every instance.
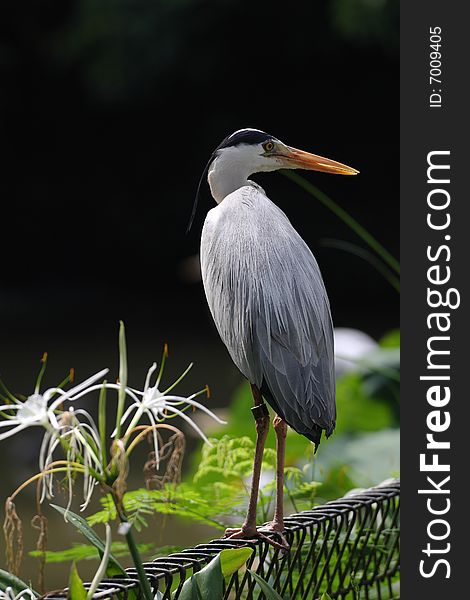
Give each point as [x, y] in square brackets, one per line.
[298, 159]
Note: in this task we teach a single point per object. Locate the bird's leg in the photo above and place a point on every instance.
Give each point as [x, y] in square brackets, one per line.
[261, 414]
[249, 530]
[280, 427]
[277, 524]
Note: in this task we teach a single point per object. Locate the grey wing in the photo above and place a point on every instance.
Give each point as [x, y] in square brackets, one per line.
[293, 341]
[270, 306]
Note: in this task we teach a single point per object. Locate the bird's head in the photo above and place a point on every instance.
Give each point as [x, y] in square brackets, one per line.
[249, 151]
[255, 151]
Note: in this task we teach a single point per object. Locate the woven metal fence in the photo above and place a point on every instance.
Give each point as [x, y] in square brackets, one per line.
[348, 548]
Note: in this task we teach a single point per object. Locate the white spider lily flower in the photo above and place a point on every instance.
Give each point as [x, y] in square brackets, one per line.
[40, 409]
[81, 443]
[159, 406]
[9, 594]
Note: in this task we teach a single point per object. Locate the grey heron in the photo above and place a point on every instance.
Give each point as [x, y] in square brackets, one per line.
[268, 301]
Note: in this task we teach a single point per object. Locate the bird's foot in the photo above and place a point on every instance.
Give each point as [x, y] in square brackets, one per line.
[264, 533]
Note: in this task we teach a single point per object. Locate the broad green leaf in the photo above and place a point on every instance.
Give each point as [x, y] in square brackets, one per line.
[208, 583]
[268, 590]
[76, 590]
[82, 526]
[232, 559]
[325, 597]
[15, 583]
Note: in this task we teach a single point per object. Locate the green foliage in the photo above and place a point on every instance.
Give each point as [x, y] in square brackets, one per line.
[336, 482]
[391, 339]
[233, 559]
[366, 459]
[219, 489]
[218, 492]
[267, 589]
[357, 409]
[79, 552]
[82, 526]
[77, 590]
[184, 500]
[229, 459]
[207, 584]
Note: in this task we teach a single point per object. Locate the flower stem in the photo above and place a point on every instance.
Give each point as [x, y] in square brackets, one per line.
[144, 582]
[77, 467]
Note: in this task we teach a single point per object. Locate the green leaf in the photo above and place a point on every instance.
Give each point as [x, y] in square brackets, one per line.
[325, 597]
[76, 590]
[9, 580]
[364, 254]
[82, 526]
[346, 218]
[122, 378]
[233, 559]
[268, 591]
[208, 583]
[112, 570]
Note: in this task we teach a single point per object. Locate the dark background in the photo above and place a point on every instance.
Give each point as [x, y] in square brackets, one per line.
[109, 112]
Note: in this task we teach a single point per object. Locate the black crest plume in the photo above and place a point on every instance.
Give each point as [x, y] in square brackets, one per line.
[198, 191]
[243, 136]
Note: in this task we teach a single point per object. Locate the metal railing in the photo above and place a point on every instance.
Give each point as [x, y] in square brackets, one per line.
[348, 548]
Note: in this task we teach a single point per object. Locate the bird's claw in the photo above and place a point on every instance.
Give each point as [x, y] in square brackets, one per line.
[263, 533]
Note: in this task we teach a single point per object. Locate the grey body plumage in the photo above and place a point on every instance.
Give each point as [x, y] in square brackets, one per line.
[270, 307]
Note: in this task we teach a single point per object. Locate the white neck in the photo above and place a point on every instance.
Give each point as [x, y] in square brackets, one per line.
[228, 172]
[233, 165]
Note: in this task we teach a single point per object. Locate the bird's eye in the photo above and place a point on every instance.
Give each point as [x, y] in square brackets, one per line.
[268, 146]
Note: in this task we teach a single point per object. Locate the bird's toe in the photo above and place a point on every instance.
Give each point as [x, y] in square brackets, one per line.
[241, 532]
[264, 533]
[279, 541]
